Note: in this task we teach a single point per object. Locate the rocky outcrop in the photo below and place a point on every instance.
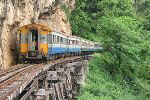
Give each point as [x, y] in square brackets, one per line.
[22, 12]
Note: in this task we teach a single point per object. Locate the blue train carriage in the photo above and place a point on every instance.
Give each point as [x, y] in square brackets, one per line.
[85, 46]
[92, 46]
[97, 46]
[57, 44]
[74, 45]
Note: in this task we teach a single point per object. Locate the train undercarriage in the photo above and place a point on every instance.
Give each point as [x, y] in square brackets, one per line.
[45, 57]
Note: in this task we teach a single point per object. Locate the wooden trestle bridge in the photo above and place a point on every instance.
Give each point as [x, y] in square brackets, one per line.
[54, 80]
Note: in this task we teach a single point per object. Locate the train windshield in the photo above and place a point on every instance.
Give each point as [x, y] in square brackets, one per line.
[33, 38]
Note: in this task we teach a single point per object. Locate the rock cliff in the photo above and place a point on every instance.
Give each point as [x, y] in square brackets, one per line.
[22, 12]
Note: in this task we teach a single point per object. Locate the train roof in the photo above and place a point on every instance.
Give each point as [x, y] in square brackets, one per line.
[34, 25]
[59, 33]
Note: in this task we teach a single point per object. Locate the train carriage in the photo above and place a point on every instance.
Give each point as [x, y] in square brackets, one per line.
[92, 46]
[97, 46]
[40, 42]
[74, 44]
[58, 43]
[33, 41]
[85, 45]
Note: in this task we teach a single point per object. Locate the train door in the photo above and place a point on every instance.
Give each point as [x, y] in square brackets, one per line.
[33, 40]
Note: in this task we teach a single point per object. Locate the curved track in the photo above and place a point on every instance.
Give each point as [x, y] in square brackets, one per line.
[8, 76]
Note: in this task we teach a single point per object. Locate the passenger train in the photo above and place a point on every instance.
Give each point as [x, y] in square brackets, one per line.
[39, 42]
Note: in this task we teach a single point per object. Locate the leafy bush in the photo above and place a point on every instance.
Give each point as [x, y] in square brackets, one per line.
[100, 85]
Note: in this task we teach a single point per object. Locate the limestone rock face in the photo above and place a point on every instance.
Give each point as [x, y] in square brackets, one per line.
[21, 12]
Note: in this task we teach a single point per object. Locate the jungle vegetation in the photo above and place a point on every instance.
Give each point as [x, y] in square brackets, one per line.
[122, 70]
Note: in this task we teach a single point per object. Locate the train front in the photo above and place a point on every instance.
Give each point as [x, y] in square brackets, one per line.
[33, 42]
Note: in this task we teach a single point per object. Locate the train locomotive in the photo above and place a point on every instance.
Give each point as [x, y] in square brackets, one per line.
[39, 42]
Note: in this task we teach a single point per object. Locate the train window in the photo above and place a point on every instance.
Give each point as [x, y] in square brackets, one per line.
[57, 39]
[61, 40]
[77, 42]
[72, 41]
[53, 39]
[50, 38]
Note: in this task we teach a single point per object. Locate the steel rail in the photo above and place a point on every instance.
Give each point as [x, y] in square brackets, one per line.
[11, 69]
[7, 75]
[14, 88]
[15, 77]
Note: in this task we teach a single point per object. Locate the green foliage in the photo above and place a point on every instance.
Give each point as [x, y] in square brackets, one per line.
[113, 8]
[82, 25]
[143, 8]
[115, 23]
[101, 86]
[125, 44]
[124, 30]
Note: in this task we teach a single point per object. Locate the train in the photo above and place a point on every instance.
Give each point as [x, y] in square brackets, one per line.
[40, 43]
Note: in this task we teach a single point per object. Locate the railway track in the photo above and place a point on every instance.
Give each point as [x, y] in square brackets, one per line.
[12, 68]
[6, 73]
[12, 77]
[8, 76]
[14, 81]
